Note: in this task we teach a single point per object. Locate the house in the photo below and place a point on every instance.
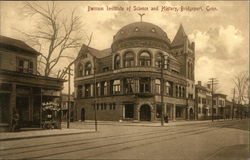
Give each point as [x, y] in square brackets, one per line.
[21, 88]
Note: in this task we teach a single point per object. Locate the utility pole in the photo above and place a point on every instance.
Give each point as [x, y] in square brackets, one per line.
[233, 105]
[213, 81]
[162, 81]
[68, 113]
[95, 93]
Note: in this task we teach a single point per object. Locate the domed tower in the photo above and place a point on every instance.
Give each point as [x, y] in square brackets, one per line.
[137, 38]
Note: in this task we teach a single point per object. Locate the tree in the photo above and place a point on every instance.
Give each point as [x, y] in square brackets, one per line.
[54, 34]
[241, 81]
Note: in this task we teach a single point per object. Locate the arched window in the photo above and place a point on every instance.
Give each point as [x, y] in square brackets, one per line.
[168, 88]
[158, 60]
[129, 59]
[144, 59]
[117, 62]
[184, 92]
[80, 70]
[88, 67]
[158, 86]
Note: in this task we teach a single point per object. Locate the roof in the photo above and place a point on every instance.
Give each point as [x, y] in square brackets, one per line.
[201, 87]
[15, 44]
[220, 95]
[95, 52]
[180, 37]
[141, 29]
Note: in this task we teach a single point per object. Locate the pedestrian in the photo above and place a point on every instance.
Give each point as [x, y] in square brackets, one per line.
[166, 118]
[15, 121]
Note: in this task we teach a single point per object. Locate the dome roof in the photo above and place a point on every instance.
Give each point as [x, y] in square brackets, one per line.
[141, 29]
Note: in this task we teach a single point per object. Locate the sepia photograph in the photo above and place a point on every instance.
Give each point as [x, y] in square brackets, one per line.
[124, 80]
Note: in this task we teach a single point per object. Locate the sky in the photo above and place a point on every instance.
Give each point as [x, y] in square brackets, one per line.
[220, 29]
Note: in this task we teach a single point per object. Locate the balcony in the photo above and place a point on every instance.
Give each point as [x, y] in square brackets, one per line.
[144, 94]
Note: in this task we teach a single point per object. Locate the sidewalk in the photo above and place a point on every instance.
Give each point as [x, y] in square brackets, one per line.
[147, 124]
[86, 127]
[37, 133]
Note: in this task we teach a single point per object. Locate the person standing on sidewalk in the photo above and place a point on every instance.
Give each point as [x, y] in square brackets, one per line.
[15, 121]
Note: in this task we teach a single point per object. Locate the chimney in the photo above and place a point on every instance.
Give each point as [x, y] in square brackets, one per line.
[199, 83]
[208, 86]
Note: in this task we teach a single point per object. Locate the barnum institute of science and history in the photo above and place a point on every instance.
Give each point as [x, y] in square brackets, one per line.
[121, 83]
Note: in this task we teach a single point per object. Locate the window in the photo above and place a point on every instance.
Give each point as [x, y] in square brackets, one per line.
[176, 91]
[103, 88]
[144, 59]
[144, 84]
[203, 110]
[98, 87]
[116, 87]
[203, 101]
[128, 85]
[166, 63]
[25, 66]
[158, 60]
[113, 106]
[183, 92]
[158, 86]
[87, 90]
[117, 62]
[88, 67]
[80, 70]
[167, 88]
[214, 102]
[129, 59]
[180, 92]
[79, 91]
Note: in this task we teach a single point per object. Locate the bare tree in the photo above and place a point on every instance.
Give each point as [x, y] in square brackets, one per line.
[54, 34]
[241, 81]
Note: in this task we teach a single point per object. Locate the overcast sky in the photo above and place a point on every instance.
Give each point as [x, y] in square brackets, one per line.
[221, 36]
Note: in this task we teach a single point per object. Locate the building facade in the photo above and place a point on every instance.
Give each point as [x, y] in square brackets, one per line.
[125, 81]
[203, 101]
[21, 89]
[219, 105]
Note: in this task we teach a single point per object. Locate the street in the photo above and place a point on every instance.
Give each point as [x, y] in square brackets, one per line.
[214, 141]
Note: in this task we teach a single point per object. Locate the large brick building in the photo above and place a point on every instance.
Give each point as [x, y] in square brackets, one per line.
[127, 76]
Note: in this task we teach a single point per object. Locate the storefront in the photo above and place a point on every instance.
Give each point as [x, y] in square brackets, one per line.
[28, 95]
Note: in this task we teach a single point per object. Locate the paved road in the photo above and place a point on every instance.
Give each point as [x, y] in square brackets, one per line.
[210, 141]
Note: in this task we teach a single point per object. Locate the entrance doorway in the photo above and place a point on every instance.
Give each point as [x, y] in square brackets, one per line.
[22, 105]
[4, 108]
[180, 112]
[145, 113]
[191, 112]
[129, 111]
[83, 114]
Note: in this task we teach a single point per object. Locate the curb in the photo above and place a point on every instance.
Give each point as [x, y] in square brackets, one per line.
[41, 136]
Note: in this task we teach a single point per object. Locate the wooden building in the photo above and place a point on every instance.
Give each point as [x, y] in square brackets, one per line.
[20, 86]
